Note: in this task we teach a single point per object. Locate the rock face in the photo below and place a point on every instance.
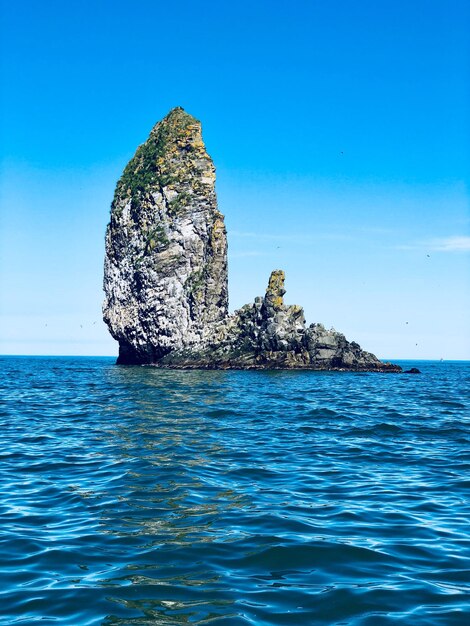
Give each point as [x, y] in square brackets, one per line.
[165, 275]
[269, 334]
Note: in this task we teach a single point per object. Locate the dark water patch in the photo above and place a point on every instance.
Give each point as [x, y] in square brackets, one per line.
[322, 412]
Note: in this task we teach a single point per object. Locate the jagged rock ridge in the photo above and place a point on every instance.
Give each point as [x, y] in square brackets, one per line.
[165, 275]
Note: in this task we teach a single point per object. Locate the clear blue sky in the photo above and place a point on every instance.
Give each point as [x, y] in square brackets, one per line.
[340, 133]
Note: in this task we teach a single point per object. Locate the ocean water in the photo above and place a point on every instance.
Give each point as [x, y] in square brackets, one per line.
[131, 495]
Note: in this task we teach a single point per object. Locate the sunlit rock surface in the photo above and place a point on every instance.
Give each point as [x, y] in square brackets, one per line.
[165, 275]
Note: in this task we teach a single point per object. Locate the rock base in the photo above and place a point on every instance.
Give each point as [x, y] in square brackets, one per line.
[268, 334]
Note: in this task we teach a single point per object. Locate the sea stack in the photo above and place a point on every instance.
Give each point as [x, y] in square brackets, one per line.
[165, 274]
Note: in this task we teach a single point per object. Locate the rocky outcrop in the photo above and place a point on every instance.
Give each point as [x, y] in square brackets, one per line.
[165, 273]
[269, 334]
[165, 276]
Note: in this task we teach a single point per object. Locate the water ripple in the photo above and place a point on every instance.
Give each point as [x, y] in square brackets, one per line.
[138, 496]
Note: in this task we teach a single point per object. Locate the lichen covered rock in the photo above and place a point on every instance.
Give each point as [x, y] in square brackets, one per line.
[165, 275]
[269, 334]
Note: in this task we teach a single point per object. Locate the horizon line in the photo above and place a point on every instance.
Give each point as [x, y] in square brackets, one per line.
[107, 356]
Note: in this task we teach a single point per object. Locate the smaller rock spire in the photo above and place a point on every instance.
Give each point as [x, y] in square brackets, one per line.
[273, 299]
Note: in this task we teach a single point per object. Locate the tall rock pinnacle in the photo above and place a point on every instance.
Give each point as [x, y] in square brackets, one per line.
[165, 275]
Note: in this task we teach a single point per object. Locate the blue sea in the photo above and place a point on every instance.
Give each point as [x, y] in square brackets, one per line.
[132, 495]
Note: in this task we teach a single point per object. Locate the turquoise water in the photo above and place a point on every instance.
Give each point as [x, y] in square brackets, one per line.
[131, 495]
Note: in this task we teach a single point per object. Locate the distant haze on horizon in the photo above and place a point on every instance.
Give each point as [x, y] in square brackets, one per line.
[340, 134]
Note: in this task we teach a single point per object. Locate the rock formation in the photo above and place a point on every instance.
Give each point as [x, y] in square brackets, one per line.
[165, 275]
